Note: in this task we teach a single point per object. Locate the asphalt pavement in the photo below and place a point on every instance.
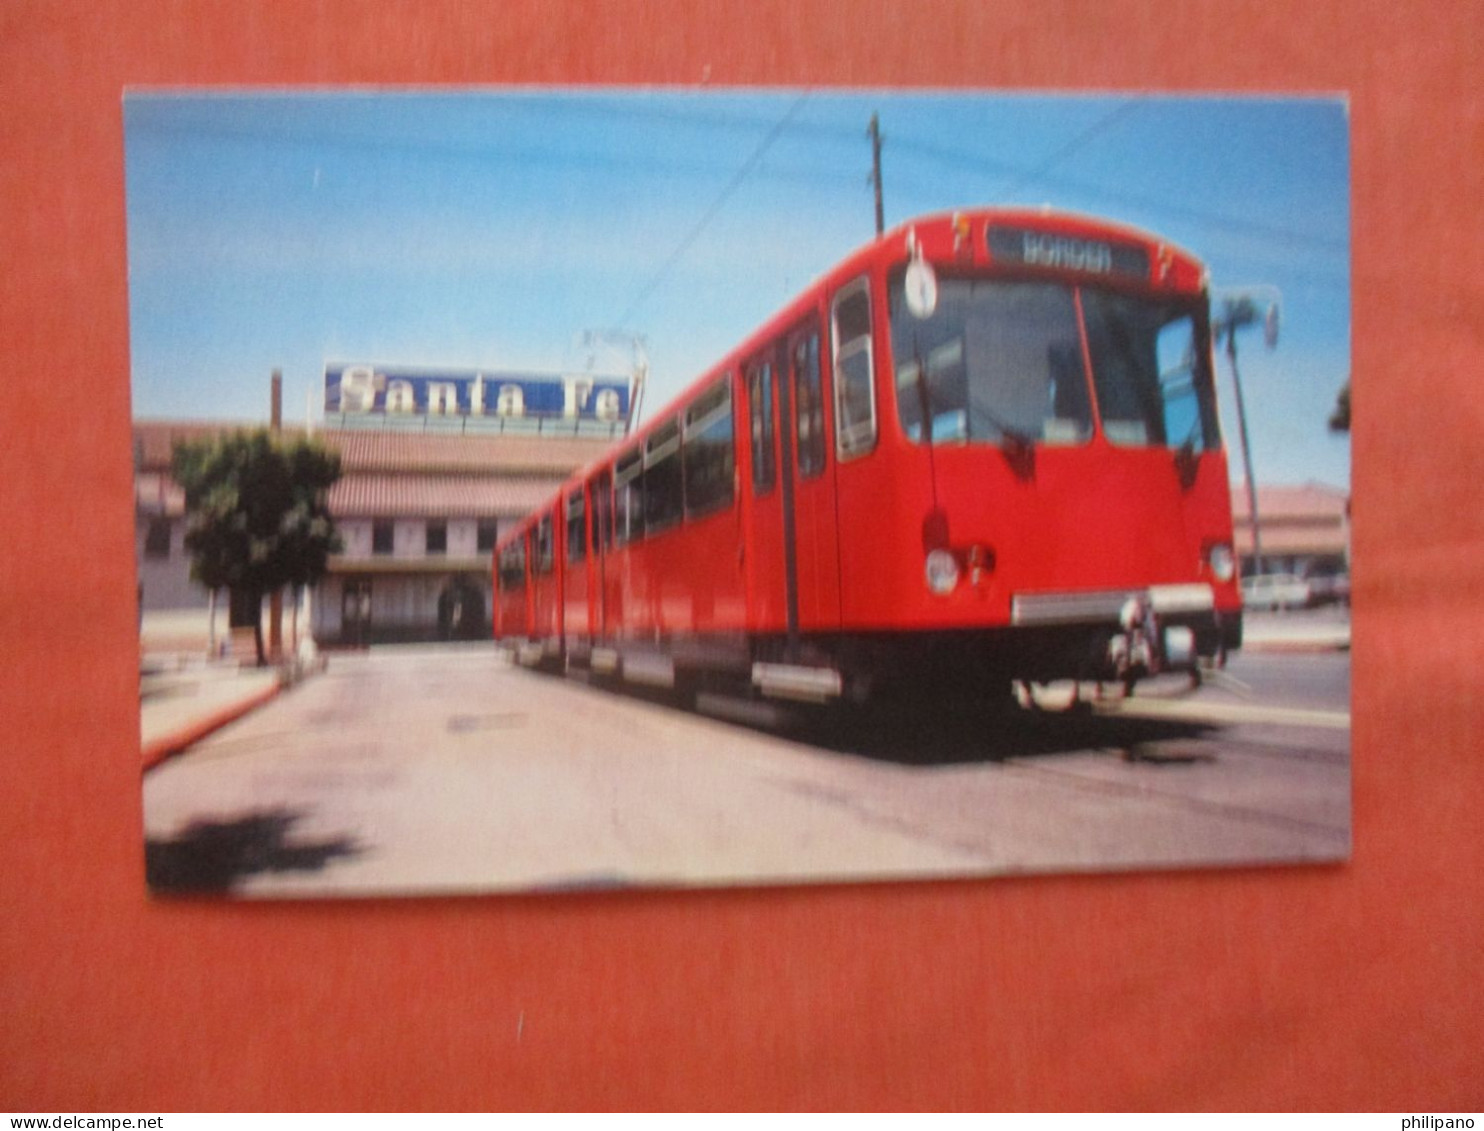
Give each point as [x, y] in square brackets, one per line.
[443, 770]
[183, 697]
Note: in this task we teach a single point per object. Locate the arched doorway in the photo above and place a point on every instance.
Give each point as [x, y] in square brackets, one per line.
[461, 611]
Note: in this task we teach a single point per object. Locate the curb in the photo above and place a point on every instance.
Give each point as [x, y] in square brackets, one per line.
[170, 745]
[1296, 647]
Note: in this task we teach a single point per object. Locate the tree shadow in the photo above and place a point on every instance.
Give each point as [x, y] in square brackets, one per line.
[211, 856]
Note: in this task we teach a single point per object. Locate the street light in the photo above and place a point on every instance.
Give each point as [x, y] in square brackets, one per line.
[1239, 307]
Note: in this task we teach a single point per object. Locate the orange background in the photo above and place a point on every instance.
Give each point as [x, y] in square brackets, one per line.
[1345, 987]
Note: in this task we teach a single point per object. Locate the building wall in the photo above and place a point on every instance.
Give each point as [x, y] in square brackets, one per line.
[409, 538]
[463, 538]
[356, 534]
[165, 581]
[403, 607]
[396, 479]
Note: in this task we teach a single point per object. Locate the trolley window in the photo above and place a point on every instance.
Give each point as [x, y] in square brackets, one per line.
[544, 548]
[996, 362]
[601, 491]
[1150, 369]
[576, 526]
[855, 396]
[760, 410]
[628, 498]
[808, 407]
[513, 565]
[664, 492]
[708, 454]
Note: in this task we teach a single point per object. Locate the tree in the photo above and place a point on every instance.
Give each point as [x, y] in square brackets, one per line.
[256, 515]
[1339, 420]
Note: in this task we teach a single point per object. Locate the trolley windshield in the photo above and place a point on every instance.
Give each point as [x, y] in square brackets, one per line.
[1001, 361]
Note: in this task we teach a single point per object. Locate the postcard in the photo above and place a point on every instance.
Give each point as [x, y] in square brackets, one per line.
[558, 490]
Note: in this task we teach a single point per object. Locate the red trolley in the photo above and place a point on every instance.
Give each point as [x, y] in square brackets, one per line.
[982, 449]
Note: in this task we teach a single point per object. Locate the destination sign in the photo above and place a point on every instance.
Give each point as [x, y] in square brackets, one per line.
[391, 391]
[1058, 252]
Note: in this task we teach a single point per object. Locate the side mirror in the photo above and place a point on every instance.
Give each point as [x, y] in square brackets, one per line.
[1270, 327]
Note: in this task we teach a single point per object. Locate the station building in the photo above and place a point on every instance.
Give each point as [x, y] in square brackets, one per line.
[1304, 529]
[423, 497]
[418, 513]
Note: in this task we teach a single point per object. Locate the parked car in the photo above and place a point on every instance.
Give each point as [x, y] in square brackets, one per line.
[1275, 591]
[1329, 589]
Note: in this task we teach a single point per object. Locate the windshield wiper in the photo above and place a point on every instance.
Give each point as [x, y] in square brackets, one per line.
[1186, 464]
[1011, 437]
[1017, 444]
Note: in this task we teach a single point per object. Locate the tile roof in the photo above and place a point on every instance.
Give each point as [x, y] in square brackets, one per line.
[1305, 519]
[393, 473]
[154, 440]
[438, 496]
[1307, 502]
[417, 451]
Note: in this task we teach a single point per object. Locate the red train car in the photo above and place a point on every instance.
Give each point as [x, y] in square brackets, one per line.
[983, 449]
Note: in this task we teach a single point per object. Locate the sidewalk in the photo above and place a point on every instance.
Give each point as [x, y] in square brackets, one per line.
[1304, 630]
[183, 699]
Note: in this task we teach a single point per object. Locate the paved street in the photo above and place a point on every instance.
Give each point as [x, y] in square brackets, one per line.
[447, 770]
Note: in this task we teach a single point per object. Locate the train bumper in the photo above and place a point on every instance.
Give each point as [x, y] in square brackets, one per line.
[1134, 633]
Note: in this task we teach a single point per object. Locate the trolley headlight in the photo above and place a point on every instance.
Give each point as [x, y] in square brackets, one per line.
[942, 572]
[1223, 563]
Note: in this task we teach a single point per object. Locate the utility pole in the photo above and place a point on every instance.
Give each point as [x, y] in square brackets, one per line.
[874, 133]
[275, 602]
[1239, 309]
[1231, 353]
[307, 599]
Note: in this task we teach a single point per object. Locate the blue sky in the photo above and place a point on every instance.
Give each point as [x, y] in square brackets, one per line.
[492, 228]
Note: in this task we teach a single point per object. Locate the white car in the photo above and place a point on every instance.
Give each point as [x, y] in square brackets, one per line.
[1275, 591]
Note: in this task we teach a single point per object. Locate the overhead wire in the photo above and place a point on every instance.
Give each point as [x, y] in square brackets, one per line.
[722, 197]
[1102, 125]
[1018, 178]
